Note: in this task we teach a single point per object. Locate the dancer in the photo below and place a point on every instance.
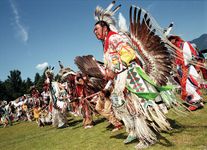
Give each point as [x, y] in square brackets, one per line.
[187, 75]
[136, 74]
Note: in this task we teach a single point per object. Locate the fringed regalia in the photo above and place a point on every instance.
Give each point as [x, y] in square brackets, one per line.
[82, 92]
[142, 65]
[78, 90]
[187, 75]
[133, 93]
[58, 119]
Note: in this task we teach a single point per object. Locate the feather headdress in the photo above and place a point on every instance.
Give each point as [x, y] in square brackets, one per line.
[64, 72]
[107, 15]
[49, 72]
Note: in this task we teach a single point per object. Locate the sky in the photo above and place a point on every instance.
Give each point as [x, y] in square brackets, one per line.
[36, 33]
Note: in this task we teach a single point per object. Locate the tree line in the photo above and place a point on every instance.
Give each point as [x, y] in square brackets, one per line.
[14, 87]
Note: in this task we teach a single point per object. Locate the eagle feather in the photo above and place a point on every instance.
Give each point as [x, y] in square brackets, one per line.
[150, 46]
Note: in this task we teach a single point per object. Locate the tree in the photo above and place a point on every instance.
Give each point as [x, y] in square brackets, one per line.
[39, 80]
[3, 94]
[13, 85]
[26, 85]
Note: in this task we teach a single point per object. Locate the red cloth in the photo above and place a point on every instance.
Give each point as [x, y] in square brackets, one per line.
[193, 80]
[180, 62]
[50, 107]
[79, 90]
[192, 49]
[204, 72]
[183, 81]
[106, 42]
[179, 59]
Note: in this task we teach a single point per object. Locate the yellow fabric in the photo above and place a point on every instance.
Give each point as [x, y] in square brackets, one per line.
[115, 60]
[127, 54]
[36, 112]
[24, 107]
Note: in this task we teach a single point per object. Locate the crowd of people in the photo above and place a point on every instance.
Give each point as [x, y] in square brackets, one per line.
[134, 87]
[29, 107]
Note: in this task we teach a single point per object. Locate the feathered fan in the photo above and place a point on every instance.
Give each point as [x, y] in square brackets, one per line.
[88, 65]
[155, 54]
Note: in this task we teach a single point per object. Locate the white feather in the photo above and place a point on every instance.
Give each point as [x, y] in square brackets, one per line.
[168, 30]
[122, 23]
[110, 6]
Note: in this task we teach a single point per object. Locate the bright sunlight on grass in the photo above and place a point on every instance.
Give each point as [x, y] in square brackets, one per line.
[188, 133]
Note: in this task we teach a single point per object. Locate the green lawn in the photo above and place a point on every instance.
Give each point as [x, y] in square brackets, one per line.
[189, 133]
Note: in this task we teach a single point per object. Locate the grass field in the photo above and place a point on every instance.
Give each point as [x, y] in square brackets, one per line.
[189, 133]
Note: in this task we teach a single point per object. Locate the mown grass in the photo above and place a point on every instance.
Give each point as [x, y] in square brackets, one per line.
[188, 133]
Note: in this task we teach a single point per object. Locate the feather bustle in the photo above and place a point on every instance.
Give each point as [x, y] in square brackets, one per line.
[150, 46]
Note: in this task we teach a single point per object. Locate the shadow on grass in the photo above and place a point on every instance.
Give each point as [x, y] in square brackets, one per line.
[119, 136]
[110, 127]
[78, 126]
[163, 141]
[99, 120]
[175, 124]
[75, 122]
[195, 130]
[194, 126]
[176, 127]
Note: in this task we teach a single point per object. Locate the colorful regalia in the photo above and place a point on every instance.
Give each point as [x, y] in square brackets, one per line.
[138, 65]
[59, 120]
[141, 63]
[187, 74]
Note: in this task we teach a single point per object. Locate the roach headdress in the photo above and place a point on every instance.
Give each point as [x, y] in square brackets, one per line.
[107, 15]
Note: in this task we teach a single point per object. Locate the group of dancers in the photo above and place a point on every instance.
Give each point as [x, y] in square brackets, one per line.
[135, 85]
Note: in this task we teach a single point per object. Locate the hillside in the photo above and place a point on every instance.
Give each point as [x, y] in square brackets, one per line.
[201, 42]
